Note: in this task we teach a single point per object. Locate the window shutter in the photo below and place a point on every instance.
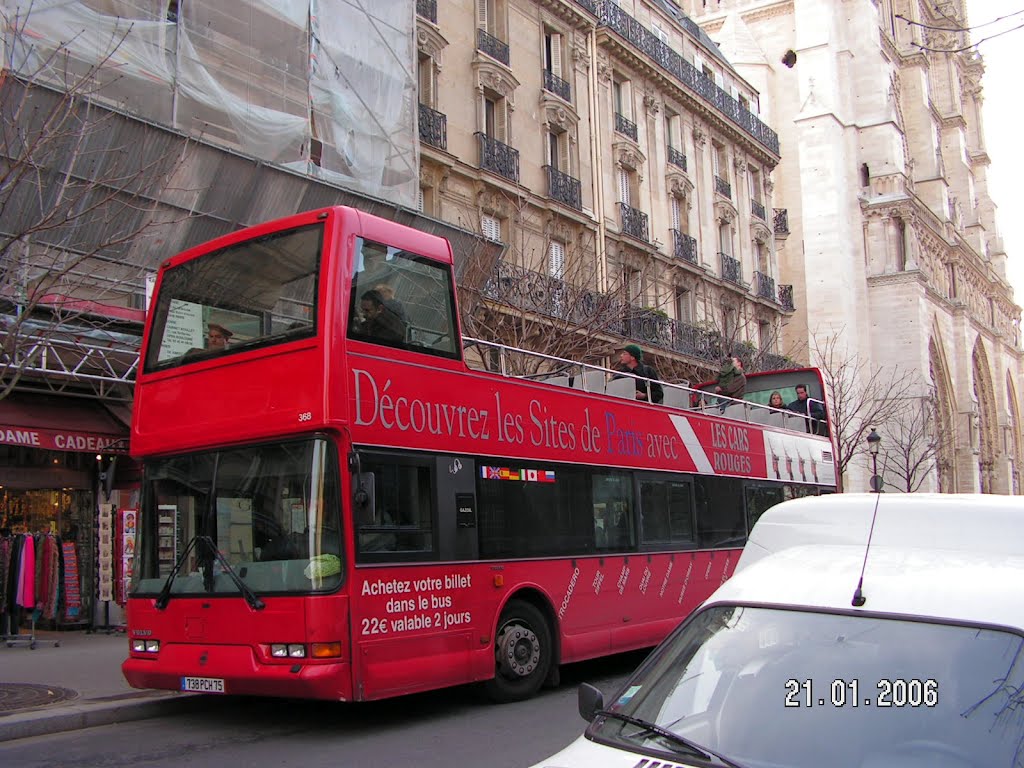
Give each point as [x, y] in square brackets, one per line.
[719, 80]
[501, 121]
[426, 82]
[419, 200]
[556, 259]
[490, 227]
[624, 186]
[556, 54]
[674, 211]
[698, 64]
[481, 15]
[734, 92]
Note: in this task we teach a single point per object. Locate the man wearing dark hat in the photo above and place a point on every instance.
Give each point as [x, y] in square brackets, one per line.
[631, 360]
[217, 337]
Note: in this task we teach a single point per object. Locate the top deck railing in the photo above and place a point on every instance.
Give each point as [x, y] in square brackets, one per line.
[679, 396]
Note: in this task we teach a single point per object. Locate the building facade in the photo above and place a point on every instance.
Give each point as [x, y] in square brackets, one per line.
[893, 250]
[624, 163]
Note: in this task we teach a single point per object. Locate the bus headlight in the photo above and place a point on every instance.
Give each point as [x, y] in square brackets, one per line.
[288, 651]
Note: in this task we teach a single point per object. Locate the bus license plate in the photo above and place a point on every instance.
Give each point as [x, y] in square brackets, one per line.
[202, 684]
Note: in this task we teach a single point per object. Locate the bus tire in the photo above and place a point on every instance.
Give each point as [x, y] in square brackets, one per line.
[523, 653]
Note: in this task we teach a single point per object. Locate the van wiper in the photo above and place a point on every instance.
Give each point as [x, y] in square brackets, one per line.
[165, 594]
[693, 749]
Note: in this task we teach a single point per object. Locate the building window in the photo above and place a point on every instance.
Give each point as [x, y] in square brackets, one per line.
[684, 305]
[558, 151]
[622, 96]
[901, 245]
[633, 285]
[725, 239]
[491, 17]
[719, 161]
[556, 259]
[495, 116]
[427, 72]
[951, 278]
[628, 186]
[764, 335]
[729, 323]
[490, 228]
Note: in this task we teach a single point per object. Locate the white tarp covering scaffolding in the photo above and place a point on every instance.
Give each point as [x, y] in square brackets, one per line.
[324, 87]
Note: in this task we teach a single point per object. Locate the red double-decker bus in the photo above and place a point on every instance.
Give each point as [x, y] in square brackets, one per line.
[337, 506]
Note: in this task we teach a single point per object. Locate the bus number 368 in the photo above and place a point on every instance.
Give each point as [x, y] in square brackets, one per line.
[306, 416]
[375, 626]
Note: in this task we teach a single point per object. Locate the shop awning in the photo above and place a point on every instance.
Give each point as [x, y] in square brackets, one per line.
[60, 424]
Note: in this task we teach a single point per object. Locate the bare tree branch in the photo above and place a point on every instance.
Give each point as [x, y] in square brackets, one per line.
[913, 444]
[859, 396]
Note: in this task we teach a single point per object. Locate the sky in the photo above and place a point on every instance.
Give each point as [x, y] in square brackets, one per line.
[1003, 116]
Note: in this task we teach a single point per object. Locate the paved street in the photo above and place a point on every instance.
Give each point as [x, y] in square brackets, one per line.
[445, 728]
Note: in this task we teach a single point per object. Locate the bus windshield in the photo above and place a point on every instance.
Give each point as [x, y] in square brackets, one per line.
[271, 510]
[259, 292]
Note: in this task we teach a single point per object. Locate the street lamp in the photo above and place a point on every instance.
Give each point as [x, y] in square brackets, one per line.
[874, 441]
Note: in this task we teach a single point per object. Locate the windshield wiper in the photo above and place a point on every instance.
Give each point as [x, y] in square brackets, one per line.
[250, 597]
[692, 748]
[165, 594]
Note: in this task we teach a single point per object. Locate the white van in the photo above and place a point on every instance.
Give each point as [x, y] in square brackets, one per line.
[826, 650]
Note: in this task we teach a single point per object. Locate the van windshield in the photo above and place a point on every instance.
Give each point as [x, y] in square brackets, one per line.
[771, 687]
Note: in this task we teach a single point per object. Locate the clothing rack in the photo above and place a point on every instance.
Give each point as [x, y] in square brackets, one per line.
[31, 575]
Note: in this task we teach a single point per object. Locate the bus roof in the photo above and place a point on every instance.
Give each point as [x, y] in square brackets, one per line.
[955, 556]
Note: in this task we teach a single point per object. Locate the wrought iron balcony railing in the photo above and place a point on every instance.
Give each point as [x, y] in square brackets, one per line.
[550, 297]
[723, 187]
[757, 209]
[781, 221]
[590, 5]
[625, 126]
[427, 9]
[433, 127]
[684, 246]
[677, 158]
[731, 268]
[564, 188]
[557, 85]
[634, 222]
[613, 17]
[786, 297]
[498, 158]
[764, 286]
[492, 46]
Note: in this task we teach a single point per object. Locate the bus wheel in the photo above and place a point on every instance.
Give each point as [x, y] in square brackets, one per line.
[522, 653]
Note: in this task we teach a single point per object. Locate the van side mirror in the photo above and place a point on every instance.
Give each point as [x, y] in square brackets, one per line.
[589, 700]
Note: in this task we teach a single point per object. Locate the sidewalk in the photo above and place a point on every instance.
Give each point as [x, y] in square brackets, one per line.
[77, 684]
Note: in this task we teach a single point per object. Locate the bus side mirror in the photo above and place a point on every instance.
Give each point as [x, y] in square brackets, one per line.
[363, 501]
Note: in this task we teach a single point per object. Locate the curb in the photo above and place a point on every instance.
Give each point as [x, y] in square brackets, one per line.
[86, 714]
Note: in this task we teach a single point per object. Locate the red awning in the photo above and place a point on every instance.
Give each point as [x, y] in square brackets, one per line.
[60, 424]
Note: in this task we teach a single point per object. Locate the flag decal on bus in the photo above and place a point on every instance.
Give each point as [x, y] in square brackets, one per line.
[525, 475]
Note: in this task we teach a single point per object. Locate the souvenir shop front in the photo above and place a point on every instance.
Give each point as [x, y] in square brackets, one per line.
[65, 479]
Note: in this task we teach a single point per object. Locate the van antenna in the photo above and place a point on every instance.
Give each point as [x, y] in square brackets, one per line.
[858, 593]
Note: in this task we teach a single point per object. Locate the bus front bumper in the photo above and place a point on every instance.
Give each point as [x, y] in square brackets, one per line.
[235, 670]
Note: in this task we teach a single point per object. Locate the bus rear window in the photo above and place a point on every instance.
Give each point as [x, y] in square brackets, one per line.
[252, 294]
